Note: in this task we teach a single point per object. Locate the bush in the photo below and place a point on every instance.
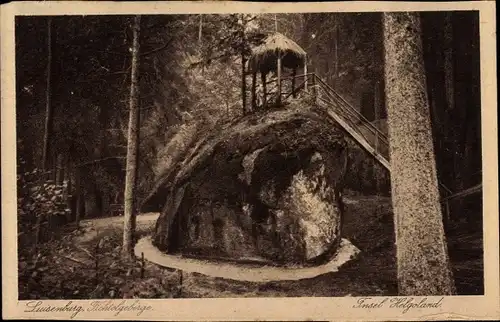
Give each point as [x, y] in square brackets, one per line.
[39, 202]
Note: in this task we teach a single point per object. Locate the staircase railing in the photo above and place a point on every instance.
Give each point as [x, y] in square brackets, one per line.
[367, 135]
[364, 132]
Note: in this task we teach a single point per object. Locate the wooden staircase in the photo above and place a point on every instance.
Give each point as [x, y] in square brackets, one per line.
[361, 130]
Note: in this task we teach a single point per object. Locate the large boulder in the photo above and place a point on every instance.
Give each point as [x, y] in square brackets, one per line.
[266, 187]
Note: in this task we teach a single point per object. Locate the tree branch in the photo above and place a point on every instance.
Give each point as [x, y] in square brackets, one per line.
[99, 160]
[157, 49]
[126, 71]
[203, 62]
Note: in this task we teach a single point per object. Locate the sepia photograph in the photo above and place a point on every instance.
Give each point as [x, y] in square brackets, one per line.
[248, 155]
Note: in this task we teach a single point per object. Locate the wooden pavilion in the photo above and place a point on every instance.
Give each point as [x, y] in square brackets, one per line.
[276, 53]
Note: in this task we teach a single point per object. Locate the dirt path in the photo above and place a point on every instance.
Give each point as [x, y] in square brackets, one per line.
[118, 220]
[99, 228]
[372, 272]
[242, 272]
[94, 228]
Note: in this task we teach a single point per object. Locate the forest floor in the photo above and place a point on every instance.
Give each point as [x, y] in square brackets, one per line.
[87, 264]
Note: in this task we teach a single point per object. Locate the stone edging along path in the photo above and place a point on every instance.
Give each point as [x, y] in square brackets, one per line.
[242, 272]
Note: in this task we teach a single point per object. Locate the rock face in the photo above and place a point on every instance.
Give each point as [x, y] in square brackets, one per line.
[265, 188]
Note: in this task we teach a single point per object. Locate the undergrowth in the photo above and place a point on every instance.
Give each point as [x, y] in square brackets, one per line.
[94, 269]
[66, 269]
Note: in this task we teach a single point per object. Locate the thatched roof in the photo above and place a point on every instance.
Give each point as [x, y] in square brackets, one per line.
[264, 57]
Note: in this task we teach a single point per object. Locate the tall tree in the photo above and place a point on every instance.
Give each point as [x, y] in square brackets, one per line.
[448, 60]
[48, 119]
[422, 256]
[48, 97]
[132, 146]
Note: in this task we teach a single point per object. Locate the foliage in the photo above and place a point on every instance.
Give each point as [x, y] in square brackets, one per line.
[357, 40]
[216, 100]
[92, 76]
[229, 35]
[39, 199]
[66, 268]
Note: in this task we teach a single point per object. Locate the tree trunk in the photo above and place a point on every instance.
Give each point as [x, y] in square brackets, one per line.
[48, 99]
[254, 84]
[48, 120]
[336, 53]
[314, 88]
[434, 61]
[105, 203]
[448, 61]
[78, 195]
[376, 101]
[367, 105]
[132, 148]
[243, 84]
[422, 256]
[466, 100]
[92, 202]
[264, 89]
[200, 30]
[306, 78]
[376, 112]
[278, 98]
[449, 80]
[69, 192]
[59, 170]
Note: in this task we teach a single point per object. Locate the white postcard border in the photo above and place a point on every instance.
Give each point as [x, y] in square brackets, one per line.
[454, 307]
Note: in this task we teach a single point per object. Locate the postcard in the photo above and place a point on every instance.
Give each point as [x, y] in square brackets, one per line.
[237, 161]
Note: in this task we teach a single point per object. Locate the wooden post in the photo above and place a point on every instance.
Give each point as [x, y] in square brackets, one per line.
[294, 73]
[263, 79]
[254, 81]
[305, 73]
[278, 99]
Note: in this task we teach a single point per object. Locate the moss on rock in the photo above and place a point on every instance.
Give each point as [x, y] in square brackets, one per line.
[266, 187]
